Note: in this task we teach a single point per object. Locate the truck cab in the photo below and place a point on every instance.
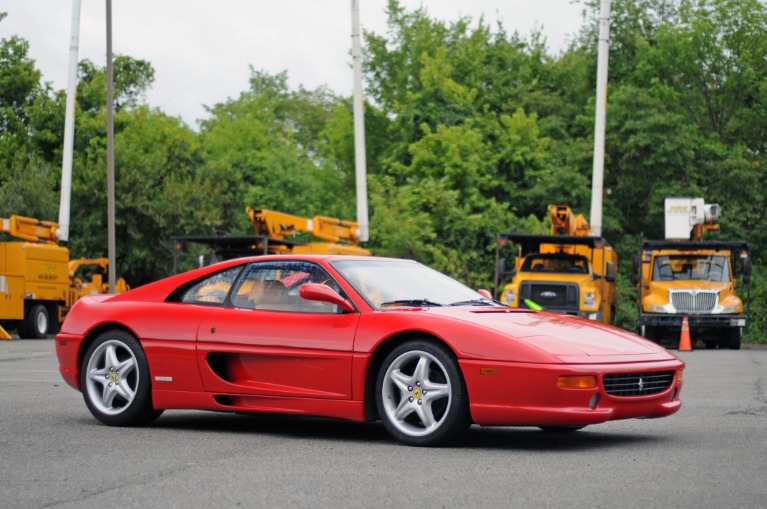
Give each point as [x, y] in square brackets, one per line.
[686, 279]
[573, 275]
[695, 280]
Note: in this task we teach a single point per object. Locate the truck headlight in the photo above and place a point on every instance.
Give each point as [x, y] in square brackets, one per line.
[508, 297]
[656, 309]
[589, 299]
[725, 310]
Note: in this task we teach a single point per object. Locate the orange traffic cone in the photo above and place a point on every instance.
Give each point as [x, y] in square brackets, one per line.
[684, 338]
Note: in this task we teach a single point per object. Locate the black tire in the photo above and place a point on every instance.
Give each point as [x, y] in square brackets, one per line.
[561, 429]
[36, 322]
[115, 381]
[421, 395]
[735, 335]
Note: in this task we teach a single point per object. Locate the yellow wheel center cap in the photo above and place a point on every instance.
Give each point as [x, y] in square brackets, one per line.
[112, 377]
[417, 393]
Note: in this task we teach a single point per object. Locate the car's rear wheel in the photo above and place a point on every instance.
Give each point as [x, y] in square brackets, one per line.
[115, 381]
[421, 395]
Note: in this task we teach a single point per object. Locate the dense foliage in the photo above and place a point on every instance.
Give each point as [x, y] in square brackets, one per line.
[471, 131]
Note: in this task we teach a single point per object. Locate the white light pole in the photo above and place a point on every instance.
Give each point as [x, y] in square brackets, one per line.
[359, 127]
[597, 182]
[69, 127]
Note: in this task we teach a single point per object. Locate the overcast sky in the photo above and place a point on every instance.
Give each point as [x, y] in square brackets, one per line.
[201, 50]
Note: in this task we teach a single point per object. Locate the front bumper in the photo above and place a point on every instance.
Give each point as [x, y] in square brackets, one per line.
[519, 394]
[694, 321]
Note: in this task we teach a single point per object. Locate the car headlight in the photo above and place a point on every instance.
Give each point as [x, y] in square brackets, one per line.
[508, 297]
[589, 299]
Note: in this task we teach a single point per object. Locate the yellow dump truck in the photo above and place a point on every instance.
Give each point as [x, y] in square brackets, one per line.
[686, 277]
[567, 272]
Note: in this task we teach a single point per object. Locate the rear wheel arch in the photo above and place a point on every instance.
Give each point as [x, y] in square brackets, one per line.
[92, 335]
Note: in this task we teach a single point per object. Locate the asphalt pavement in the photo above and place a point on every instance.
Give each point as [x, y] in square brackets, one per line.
[54, 454]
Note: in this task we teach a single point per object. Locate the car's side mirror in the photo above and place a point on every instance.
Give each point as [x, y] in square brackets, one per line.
[486, 294]
[324, 293]
[610, 273]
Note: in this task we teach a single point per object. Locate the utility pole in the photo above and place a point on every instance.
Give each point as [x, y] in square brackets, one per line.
[359, 127]
[110, 157]
[69, 127]
[597, 182]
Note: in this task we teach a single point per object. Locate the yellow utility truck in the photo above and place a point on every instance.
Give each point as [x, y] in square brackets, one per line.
[38, 282]
[34, 277]
[685, 277]
[280, 233]
[568, 271]
[86, 277]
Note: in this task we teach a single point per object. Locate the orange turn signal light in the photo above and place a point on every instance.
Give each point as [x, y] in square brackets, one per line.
[577, 382]
[679, 376]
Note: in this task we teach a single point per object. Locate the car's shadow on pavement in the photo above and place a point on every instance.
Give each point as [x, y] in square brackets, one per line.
[316, 428]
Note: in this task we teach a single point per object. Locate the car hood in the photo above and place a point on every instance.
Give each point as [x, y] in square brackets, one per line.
[568, 338]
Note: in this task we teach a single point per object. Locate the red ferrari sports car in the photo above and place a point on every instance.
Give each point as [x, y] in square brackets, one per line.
[359, 338]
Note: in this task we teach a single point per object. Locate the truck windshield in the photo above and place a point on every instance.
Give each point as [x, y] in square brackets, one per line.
[572, 264]
[696, 267]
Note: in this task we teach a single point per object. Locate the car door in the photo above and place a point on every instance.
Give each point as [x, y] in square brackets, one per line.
[268, 341]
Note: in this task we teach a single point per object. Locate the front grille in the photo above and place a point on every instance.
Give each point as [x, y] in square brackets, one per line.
[687, 301]
[637, 384]
[556, 296]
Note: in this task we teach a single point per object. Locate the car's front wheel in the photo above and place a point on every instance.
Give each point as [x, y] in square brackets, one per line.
[115, 381]
[421, 395]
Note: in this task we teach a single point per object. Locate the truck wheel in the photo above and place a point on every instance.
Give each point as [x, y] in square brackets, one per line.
[734, 338]
[36, 322]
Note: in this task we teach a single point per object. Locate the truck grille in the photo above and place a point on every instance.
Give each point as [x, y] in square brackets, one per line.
[693, 301]
[552, 296]
[637, 384]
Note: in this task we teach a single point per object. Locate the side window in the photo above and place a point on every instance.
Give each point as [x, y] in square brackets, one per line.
[274, 286]
[213, 289]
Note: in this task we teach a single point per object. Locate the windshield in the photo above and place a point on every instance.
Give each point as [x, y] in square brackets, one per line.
[696, 267]
[573, 264]
[387, 283]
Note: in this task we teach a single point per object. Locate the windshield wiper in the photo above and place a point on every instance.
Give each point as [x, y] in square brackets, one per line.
[411, 302]
[475, 302]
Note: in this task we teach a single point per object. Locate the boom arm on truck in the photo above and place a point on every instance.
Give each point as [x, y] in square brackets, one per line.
[29, 229]
[273, 231]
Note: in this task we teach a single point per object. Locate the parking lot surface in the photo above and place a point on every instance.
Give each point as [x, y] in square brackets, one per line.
[53, 453]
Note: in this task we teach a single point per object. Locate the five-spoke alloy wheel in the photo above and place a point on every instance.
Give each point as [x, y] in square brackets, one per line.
[421, 395]
[115, 380]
